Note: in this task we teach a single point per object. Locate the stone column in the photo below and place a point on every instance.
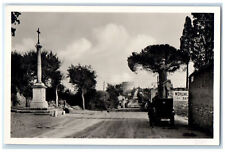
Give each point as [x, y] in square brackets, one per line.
[38, 46]
[39, 88]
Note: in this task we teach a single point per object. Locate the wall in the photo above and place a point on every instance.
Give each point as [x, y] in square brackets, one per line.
[201, 100]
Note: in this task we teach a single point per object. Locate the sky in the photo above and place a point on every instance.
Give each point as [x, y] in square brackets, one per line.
[102, 40]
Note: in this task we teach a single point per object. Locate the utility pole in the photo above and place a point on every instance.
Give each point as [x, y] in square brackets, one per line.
[104, 96]
[104, 86]
[104, 91]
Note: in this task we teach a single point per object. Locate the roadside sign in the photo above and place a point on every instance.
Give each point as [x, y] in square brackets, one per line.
[180, 95]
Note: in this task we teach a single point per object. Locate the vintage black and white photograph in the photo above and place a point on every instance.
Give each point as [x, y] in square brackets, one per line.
[114, 73]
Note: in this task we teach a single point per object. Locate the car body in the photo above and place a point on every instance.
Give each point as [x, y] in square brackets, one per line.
[161, 108]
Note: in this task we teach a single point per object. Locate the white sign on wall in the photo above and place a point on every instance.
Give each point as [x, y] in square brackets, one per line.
[180, 95]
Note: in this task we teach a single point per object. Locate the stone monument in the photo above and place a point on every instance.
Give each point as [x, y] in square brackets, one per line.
[39, 88]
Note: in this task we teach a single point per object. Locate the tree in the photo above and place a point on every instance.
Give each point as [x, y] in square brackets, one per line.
[203, 39]
[83, 77]
[16, 72]
[96, 99]
[186, 45]
[21, 77]
[24, 71]
[56, 82]
[157, 59]
[114, 91]
[51, 73]
[14, 21]
[197, 41]
[18, 76]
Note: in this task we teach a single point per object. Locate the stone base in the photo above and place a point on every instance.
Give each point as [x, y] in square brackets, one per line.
[39, 96]
[42, 104]
[39, 111]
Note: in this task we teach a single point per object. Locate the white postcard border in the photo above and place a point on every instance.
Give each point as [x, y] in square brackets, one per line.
[112, 9]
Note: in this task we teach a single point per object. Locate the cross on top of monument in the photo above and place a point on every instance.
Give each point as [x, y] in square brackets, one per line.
[38, 31]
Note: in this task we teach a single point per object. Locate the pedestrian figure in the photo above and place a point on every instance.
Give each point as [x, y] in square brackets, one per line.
[152, 110]
[150, 114]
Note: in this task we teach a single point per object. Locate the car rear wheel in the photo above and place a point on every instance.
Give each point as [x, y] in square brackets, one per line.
[172, 120]
[150, 122]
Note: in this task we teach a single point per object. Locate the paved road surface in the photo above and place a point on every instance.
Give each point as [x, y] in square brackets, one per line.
[92, 124]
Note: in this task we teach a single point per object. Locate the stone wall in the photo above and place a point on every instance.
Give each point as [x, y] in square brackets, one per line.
[201, 100]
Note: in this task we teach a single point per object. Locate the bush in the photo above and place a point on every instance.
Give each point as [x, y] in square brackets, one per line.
[14, 100]
[71, 98]
[96, 100]
[113, 100]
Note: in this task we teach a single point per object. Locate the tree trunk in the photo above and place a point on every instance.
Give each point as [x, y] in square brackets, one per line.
[27, 102]
[83, 101]
[187, 84]
[56, 97]
[162, 79]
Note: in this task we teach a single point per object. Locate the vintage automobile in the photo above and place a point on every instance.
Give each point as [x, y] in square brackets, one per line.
[161, 109]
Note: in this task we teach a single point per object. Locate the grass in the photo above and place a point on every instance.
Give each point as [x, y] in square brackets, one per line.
[181, 108]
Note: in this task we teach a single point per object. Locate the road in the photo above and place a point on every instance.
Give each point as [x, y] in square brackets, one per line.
[96, 124]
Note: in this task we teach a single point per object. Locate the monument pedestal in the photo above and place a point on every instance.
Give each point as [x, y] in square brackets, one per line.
[39, 96]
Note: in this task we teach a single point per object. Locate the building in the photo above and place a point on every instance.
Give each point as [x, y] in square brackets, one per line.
[201, 99]
[127, 87]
